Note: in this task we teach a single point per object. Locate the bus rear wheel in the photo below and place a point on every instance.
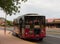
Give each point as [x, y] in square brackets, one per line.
[41, 39]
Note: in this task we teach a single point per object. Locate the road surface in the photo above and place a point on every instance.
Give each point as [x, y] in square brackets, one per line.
[9, 39]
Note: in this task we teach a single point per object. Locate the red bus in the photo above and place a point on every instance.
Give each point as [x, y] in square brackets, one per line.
[30, 26]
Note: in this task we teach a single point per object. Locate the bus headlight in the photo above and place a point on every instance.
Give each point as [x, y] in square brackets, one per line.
[26, 33]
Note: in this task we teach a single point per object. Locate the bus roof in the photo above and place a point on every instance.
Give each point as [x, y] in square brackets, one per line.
[33, 14]
[30, 14]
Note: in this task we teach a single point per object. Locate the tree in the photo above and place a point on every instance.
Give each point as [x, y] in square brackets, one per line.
[10, 7]
[9, 23]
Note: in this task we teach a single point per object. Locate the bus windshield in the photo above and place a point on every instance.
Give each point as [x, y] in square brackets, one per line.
[36, 20]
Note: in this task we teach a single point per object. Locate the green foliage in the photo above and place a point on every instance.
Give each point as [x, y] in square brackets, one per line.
[10, 6]
[9, 23]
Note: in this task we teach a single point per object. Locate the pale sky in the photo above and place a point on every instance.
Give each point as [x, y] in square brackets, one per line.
[49, 8]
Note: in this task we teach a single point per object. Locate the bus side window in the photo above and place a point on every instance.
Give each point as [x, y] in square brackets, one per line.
[20, 22]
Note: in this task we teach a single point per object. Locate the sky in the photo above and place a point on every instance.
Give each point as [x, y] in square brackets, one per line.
[49, 8]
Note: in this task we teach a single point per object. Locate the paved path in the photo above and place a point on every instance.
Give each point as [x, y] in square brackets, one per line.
[9, 39]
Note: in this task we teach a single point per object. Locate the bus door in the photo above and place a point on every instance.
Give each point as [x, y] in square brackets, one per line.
[20, 25]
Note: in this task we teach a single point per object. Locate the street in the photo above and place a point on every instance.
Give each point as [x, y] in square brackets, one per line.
[51, 38]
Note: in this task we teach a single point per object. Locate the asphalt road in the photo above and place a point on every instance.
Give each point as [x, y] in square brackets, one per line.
[9, 39]
[50, 40]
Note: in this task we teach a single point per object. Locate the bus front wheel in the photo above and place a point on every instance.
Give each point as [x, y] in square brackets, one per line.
[15, 34]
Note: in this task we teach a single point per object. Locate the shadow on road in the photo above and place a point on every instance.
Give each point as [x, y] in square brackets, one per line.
[37, 41]
[29, 40]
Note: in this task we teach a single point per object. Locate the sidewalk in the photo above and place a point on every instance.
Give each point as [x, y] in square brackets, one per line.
[54, 31]
[9, 39]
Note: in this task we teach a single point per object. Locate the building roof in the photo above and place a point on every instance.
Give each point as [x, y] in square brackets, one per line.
[56, 20]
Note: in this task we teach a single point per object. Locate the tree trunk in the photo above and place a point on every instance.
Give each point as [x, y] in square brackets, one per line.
[5, 25]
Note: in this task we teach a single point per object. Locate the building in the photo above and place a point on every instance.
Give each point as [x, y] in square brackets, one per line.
[53, 22]
[2, 21]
